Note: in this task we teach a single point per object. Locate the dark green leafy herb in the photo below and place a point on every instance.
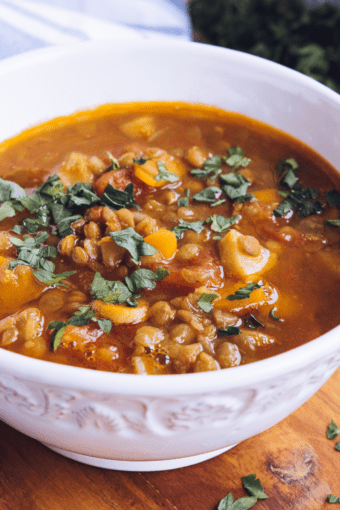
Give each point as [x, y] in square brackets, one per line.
[133, 242]
[211, 168]
[332, 431]
[251, 322]
[49, 278]
[236, 158]
[273, 316]
[114, 162]
[334, 223]
[63, 218]
[285, 31]
[141, 279]
[235, 187]
[164, 175]
[17, 229]
[230, 330]
[109, 291]
[210, 194]
[10, 196]
[300, 199]
[184, 201]
[197, 226]
[141, 160]
[333, 499]
[59, 329]
[253, 486]
[244, 292]
[229, 503]
[333, 198]
[205, 300]
[117, 199]
[221, 224]
[161, 273]
[31, 252]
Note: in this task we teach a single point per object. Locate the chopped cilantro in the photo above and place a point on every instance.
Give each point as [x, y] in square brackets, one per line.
[59, 329]
[334, 223]
[230, 330]
[253, 486]
[63, 219]
[251, 322]
[337, 446]
[133, 242]
[244, 292]
[141, 279]
[114, 165]
[141, 160]
[273, 316]
[221, 224]
[49, 278]
[10, 196]
[210, 194]
[332, 430]
[229, 503]
[161, 273]
[164, 175]
[109, 291]
[184, 201]
[211, 168]
[235, 187]
[236, 158]
[333, 499]
[300, 198]
[117, 199]
[333, 198]
[197, 226]
[205, 300]
[17, 229]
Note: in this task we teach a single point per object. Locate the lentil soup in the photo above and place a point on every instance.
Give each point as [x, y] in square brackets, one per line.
[157, 238]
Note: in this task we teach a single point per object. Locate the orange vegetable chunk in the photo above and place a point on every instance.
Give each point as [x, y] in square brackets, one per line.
[164, 241]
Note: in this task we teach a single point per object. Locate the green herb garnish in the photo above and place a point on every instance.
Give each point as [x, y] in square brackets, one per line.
[205, 300]
[229, 503]
[221, 224]
[133, 242]
[253, 486]
[251, 322]
[333, 499]
[210, 194]
[230, 330]
[244, 292]
[273, 316]
[183, 226]
[164, 175]
[333, 430]
[236, 158]
[117, 199]
[235, 187]
[211, 168]
[184, 201]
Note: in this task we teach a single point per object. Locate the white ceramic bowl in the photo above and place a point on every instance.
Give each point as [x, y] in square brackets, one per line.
[134, 422]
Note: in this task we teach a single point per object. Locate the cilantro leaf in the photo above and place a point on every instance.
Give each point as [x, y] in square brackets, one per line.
[116, 199]
[334, 223]
[133, 242]
[7, 210]
[273, 316]
[59, 329]
[141, 279]
[221, 224]
[197, 226]
[211, 168]
[300, 199]
[114, 162]
[109, 291]
[49, 278]
[205, 300]
[228, 503]
[244, 292]
[253, 486]
[141, 160]
[333, 430]
[164, 175]
[251, 322]
[333, 499]
[337, 446]
[161, 273]
[82, 316]
[104, 324]
[10, 194]
[236, 187]
[184, 201]
[236, 158]
[210, 194]
[63, 218]
[230, 330]
[333, 198]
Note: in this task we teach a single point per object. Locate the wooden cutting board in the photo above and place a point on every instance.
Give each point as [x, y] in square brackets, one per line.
[297, 464]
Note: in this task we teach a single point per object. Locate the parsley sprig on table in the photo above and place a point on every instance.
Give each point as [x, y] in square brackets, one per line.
[254, 488]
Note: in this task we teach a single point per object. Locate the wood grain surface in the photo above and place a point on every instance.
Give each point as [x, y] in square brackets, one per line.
[297, 465]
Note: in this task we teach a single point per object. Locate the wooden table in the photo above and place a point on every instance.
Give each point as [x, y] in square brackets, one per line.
[297, 464]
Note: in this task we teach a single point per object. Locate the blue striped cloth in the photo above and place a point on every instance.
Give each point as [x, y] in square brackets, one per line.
[31, 24]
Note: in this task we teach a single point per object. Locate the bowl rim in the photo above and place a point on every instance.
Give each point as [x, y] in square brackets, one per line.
[20, 366]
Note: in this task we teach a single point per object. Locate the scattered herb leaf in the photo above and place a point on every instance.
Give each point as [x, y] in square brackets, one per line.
[236, 158]
[333, 430]
[230, 330]
[205, 300]
[273, 316]
[164, 175]
[210, 194]
[244, 292]
[197, 226]
[211, 168]
[184, 201]
[133, 242]
[221, 224]
[253, 486]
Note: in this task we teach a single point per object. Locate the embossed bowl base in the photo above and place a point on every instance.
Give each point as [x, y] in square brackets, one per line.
[152, 465]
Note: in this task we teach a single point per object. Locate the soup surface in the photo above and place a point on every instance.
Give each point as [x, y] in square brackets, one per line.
[159, 238]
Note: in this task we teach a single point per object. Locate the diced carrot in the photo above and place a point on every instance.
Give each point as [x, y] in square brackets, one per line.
[164, 241]
[147, 172]
[120, 314]
[267, 195]
[261, 298]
